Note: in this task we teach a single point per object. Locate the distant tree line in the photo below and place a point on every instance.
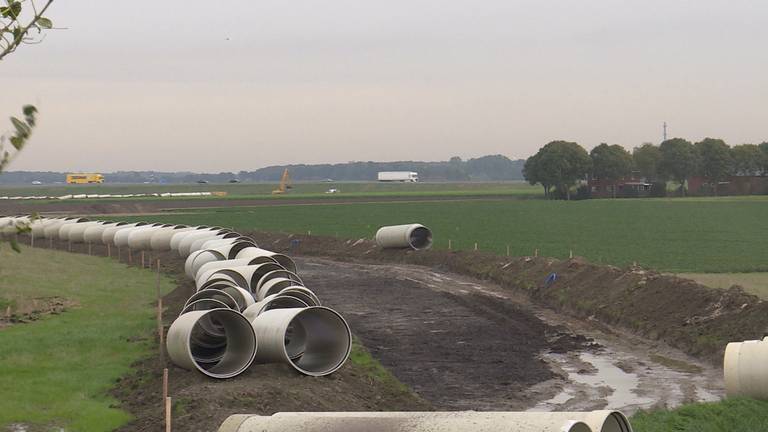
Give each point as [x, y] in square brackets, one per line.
[486, 168]
[560, 165]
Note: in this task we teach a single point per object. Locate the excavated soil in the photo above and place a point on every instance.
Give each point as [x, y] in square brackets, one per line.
[33, 309]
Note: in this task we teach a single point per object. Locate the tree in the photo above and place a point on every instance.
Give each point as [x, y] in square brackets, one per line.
[715, 163]
[610, 163]
[647, 159]
[764, 159]
[678, 161]
[747, 159]
[559, 164]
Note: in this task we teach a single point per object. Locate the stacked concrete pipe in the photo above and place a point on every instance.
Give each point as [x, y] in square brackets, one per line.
[591, 421]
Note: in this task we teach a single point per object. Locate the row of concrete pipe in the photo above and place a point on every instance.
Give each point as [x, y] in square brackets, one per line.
[250, 304]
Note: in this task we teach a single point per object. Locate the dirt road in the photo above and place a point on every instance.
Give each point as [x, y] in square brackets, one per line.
[466, 344]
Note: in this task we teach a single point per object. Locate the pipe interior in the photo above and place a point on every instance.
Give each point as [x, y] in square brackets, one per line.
[279, 273]
[616, 422]
[239, 347]
[421, 238]
[203, 304]
[301, 293]
[322, 336]
[260, 271]
[238, 246]
[235, 276]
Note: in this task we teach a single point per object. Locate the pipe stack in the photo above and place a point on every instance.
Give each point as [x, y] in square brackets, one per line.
[250, 304]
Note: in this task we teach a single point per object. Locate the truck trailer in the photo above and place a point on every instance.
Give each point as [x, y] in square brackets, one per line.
[398, 176]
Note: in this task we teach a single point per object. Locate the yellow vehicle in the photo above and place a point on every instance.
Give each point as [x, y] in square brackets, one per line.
[285, 184]
[84, 178]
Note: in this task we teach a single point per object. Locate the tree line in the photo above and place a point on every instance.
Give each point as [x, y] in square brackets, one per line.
[560, 165]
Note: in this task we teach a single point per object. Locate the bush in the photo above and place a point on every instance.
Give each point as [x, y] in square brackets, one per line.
[658, 189]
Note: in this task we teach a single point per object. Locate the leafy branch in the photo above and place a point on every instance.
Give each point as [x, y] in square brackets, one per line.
[20, 24]
[19, 136]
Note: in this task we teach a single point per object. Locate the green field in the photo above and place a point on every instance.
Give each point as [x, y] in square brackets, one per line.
[674, 235]
[56, 372]
[299, 191]
[754, 283]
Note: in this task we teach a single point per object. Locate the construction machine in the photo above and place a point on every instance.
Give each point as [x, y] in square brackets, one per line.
[285, 184]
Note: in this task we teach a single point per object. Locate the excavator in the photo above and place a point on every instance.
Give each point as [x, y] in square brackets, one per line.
[285, 184]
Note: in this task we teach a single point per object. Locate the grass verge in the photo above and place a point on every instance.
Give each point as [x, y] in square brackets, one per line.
[56, 371]
[730, 415]
[753, 283]
[373, 369]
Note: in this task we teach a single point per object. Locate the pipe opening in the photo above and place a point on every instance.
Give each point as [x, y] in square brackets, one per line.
[279, 274]
[616, 422]
[420, 238]
[301, 293]
[235, 354]
[317, 341]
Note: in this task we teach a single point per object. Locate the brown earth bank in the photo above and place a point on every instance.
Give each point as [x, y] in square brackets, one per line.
[201, 403]
[143, 206]
[691, 317]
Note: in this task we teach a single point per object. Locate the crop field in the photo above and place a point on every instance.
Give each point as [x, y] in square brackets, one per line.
[673, 235]
[55, 372]
[299, 190]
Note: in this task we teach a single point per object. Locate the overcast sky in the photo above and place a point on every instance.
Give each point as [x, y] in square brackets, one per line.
[237, 85]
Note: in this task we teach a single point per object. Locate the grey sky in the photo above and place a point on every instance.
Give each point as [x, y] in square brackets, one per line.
[237, 85]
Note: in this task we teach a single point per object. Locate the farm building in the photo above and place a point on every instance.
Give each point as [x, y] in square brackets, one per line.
[734, 185]
[627, 187]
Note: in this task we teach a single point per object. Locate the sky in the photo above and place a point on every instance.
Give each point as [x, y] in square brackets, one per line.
[186, 85]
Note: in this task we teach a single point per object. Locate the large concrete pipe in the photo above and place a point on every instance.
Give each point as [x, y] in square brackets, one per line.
[219, 295]
[217, 279]
[122, 235]
[236, 354]
[161, 239]
[745, 369]
[139, 239]
[279, 274]
[301, 293]
[108, 236]
[179, 236]
[275, 301]
[204, 304]
[52, 230]
[198, 244]
[209, 256]
[38, 226]
[414, 236]
[94, 233]
[231, 249]
[67, 227]
[460, 421]
[247, 276]
[273, 286]
[281, 259]
[185, 244]
[76, 233]
[209, 268]
[243, 297]
[315, 341]
[216, 243]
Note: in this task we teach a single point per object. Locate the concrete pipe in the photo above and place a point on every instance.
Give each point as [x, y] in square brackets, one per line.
[273, 286]
[279, 274]
[179, 236]
[249, 275]
[122, 235]
[414, 236]
[66, 228]
[243, 297]
[198, 244]
[139, 239]
[745, 369]
[108, 236]
[231, 249]
[218, 279]
[275, 301]
[94, 233]
[76, 234]
[239, 348]
[206, 256]
[219, 295]
[185, 245]
[190, 269]
[215, 243]
[281, 259]
[301, 293]
[161, 239]
[460, 421]
[204, 304]
[207, 269]
[52, 230]
[38, 226]
[315, 341]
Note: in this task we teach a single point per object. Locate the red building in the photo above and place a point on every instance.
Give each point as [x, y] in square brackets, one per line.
[734, 185]
[628, 187]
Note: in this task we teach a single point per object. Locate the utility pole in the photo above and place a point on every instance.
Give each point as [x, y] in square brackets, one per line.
[665, 132]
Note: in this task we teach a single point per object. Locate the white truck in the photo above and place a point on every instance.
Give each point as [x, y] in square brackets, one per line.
[398, 176]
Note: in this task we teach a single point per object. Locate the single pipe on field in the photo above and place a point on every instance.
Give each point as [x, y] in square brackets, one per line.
[414, 236]
[745, 369]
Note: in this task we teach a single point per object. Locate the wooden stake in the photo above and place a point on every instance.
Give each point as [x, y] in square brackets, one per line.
[160, 329]
[142, 259]
[507, 250]
[32, 239]
[449, 245]
[118, 254]
[69, 245]
[165, 383]
[536, 252]
[130, 257]
[309, 233]
[475, 245]
[50, 242]
[89, 248]
[109, 251]
[570, 255]
[168, 414]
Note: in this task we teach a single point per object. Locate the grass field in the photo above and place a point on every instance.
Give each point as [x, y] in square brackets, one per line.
[299, 191]
[56, 372]
[754, 283]
[674, 235]
[730, 415]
